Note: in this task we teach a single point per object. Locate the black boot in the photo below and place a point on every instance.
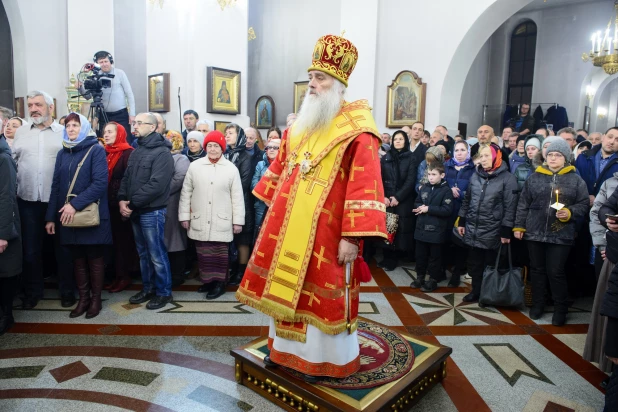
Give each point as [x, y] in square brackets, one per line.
[97, 274]
[236, 278]
[206, 287]
[217, 290]
[269, 362]
[82, 279]
[454, 282]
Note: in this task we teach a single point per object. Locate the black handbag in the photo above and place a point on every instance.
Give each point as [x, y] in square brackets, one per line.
[502, 287]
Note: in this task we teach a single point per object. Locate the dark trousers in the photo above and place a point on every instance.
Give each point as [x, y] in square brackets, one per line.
[177, 264]
[122, 117]
[9, 287]
[547, 262]
[429, 259]
[478, 260]
[88, 251]
[33, 234]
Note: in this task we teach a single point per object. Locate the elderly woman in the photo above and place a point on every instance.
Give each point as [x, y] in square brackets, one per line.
[241, 156]
[82, 161]
[459, 170]
[194, 144]
[11, 127]
[270, 153]
[398, 176]
[533, 159]
[487, 213]
[552, 200]
[125, 254]
[10, 237]
[175, 235]
[212, 209]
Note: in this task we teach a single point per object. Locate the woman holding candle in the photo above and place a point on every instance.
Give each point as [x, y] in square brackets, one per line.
[552, 200]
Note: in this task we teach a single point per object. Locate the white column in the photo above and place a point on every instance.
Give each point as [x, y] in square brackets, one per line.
[90, 25]
[359, 19]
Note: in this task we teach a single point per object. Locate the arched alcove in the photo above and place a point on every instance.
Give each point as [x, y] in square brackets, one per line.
[487, 23]
[7, 90]
[596, 101]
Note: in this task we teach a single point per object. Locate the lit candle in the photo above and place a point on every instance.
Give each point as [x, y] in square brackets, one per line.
[599, 41]
[609, 45]
[605, 38]
[593, 39]
[557, 197]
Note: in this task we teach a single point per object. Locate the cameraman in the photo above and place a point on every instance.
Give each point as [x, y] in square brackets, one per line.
[115, 98]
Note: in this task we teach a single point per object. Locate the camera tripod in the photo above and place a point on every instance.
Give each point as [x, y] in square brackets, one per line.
[98, 111]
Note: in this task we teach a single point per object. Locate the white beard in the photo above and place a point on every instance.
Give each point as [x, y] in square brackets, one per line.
[39, 120]
[318, 111]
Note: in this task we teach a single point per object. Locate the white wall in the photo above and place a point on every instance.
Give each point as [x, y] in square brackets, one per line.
[563, 34]
[130, 47]
[40, 50]
[185, 37]
[475, 91]
[281, 53]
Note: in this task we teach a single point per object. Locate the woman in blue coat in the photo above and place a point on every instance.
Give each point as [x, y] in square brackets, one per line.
[87, 244]
[459, 170]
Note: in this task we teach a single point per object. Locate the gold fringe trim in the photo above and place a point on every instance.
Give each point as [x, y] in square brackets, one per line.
[272, 309]
[290, 335]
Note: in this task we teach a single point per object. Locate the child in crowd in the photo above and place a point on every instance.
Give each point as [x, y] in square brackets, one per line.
[434, 206]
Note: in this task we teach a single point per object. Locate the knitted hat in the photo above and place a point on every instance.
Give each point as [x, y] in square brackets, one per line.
[521, 138]
[195, 135]
[437, 153]
[551, 139]
[533, 141]
[561, 147]
[216, 137]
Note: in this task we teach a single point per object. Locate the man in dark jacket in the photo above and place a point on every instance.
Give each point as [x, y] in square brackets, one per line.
[600, 163]
[524, 123]
[143, 197]
[434, 206]
[10, 237]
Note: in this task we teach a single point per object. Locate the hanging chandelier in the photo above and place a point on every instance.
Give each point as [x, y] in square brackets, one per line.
[604, 52]
[226, 3]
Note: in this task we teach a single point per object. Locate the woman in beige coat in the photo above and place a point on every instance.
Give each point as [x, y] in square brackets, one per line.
[212, 209]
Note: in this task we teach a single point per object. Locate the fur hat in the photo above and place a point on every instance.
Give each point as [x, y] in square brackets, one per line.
[216, 137]
[561, 147]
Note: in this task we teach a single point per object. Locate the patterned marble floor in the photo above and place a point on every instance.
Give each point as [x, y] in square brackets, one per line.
[177, 358]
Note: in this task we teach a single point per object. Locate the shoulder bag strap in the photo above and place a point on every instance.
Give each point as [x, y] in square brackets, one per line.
[79, 166]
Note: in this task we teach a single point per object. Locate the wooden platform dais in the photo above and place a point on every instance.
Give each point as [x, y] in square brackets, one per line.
[292, 394]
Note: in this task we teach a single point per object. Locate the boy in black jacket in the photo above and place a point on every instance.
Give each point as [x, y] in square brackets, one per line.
[434, 206]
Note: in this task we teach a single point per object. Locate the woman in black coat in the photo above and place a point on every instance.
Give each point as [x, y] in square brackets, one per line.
[10, 237]
[398, 177]
[550, 229]
[487, 214]
[87, 244]
[242, 158]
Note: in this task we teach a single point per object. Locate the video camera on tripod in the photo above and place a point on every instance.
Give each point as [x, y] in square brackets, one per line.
[97, 81]
[92, 88]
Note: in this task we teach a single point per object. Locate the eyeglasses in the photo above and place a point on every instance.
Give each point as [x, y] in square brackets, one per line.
[554, 155]
[272, 148]
[141, 123]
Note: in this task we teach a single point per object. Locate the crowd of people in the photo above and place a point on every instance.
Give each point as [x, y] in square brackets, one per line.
[173, 204]
[96, 211]
[548, 196]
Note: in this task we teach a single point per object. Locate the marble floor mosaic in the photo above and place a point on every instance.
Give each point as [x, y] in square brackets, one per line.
[177, 358]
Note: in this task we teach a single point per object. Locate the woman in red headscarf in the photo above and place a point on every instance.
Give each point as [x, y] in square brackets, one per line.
[125, 253]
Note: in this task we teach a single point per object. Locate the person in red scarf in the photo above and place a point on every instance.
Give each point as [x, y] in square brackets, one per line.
[270, 153]
[487, 214]
[118, 152]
